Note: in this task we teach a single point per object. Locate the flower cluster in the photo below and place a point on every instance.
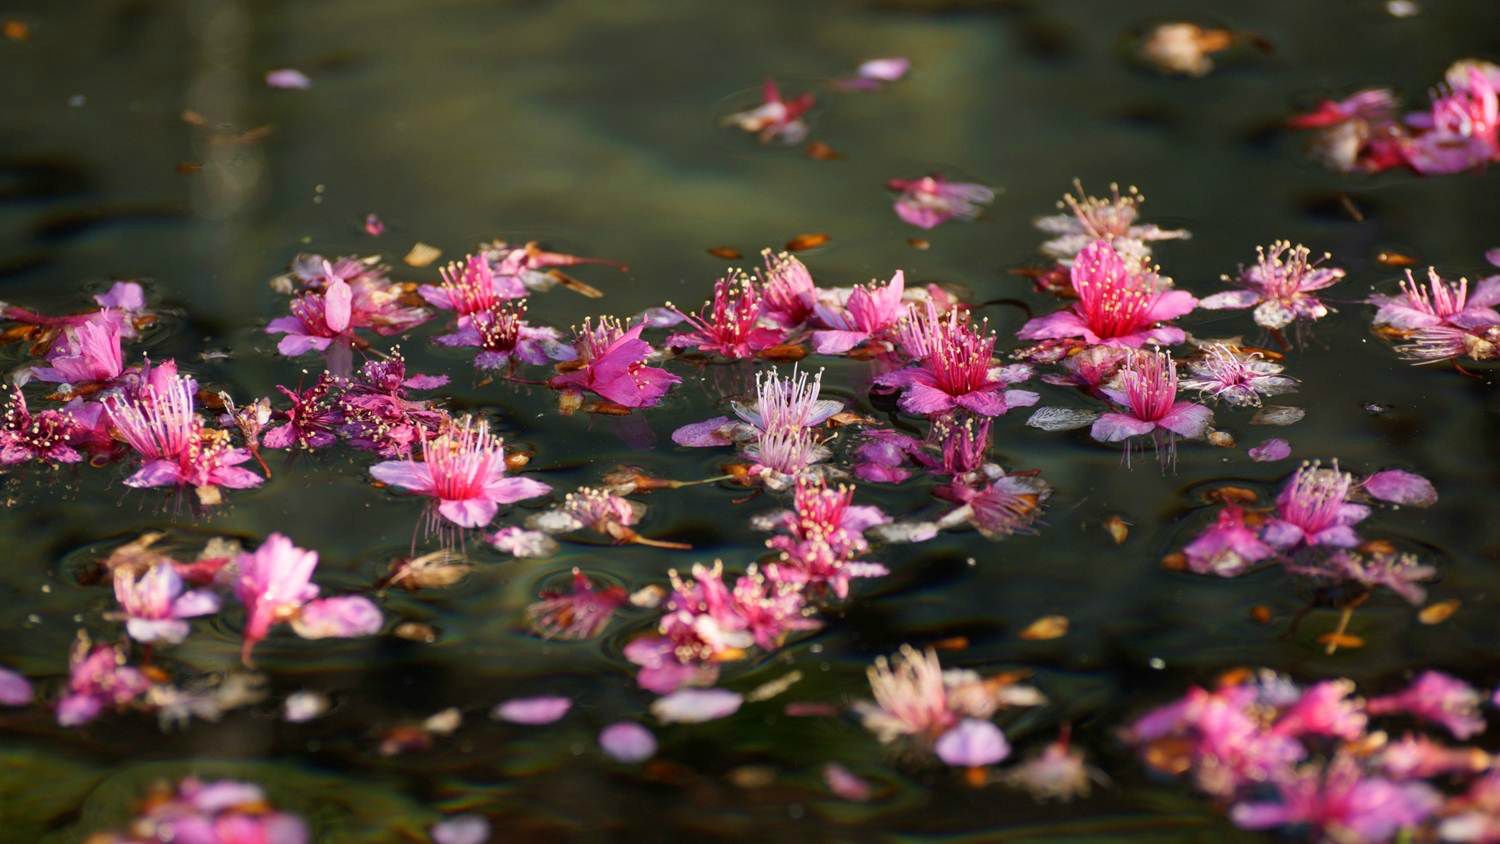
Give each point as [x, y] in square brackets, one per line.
[1458, 131]
[218, 811]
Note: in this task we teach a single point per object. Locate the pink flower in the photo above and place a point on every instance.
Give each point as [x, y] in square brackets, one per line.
[867, 314]
[222, 812]
[1342, 803]
[1440, 303]
[1280, 286]
[376, 415]
[1313, 509]
[1090, 368]
[1228, 747]
[274, 583]
[789, 290]
[1400, 573]
[1007, 505]
[310, 420]
[1228, 547]
[503, 337]
[729, 323]
[579, 613]
[470, 288]
[1462, 129]
[611, 363]
[1356, 133]
[90, 352]
[1324, 709]
[154, 605]
[1119, 304]
[875, 74]
[1225, 373]
[1148, 393]
[1438, 698]
[954, 368]
[822, 536]
[972, 744]
[1058, 772]
[464, 470]
[319, 318]
[775, 119]
[15, 690]
[534, 269]
[1086, 219]
[932, 200]
[178, 450]
[915, 698]
[780, 455]
[45, 436]
[97, 678]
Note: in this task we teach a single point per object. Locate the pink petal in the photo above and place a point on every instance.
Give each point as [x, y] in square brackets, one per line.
[1114, 427]
[972, 744]
[627, 742]
[15, 690]
[694, 706]
[1171, 305]
[156, 473]
[1188, 419]
[1493, 256]
[921, 216]
[288, 78]
[469, 512]
[1270, 451]
[344, 617]
[125, 295]
[338, 303]
[1400, 487]
[511, 490]
[1230, 299]
[533, 710]
[885, 70]
[831, 342]
[1055, 326]
[923, 400]
[845, 784]
[406, 474]
[705, 434]
[461, 829]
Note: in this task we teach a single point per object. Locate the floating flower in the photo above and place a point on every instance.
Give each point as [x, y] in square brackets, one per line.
[1342, 803]
[695, 706]
[1148, 395]
[932, 200]
[775, 119]
[464, 471]
[1228, 547]
[1119, 304]
[470, 288]
[787, 401]
[954, 368]
[730, 323]
[1239, 378]
[1400, 573]
[1358, 132]
[915, 698]
[1058, 772]
[311, 419]
[582, 612]
[1440, 303]
[789, 292]
[89, 353]
[611, 363]
[1086, 219]
[1438, 698]
[319, 318]
[519, 542]
[98, 677]
[154, 604]
[867, 314]
[376, 413]
[1280, 286]
[1461, 131]
[1007, 505]
[1313, 509]
[177, 449]
[46, 436]
[503, 337]
[273, 583]
[1324, 709]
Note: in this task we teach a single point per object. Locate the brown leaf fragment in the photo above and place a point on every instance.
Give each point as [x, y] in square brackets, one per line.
[1439, 612]
[1046, 627]
[803, 242]
[421, 254]
[728, 253]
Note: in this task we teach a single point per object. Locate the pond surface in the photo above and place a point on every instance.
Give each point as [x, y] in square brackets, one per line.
[592, 127]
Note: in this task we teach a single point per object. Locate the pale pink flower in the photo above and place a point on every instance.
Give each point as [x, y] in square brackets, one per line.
[932, 200]
[868, 313]
[1438, 698]
[581, 612]
[1120, 303]
[775, 119]
[972, 744]
[464, 471]
[154, 604]
[178, 450]
[1228, 746]
[1439, 303]
[1281, 286]
[1058, 772]
[1086, 219]
[914, 698]
[273, 583]
[781, 455]
[1225, 373]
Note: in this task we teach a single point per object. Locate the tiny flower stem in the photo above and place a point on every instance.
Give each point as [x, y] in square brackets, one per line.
[1345, 615]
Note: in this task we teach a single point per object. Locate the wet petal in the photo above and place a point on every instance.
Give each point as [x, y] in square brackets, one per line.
[1270, 451]
[15, 690]
[461, 829]
[532, 710]
[1401, 487]
[627, 742]
[343, 617]
[972, 744]
[694, 706]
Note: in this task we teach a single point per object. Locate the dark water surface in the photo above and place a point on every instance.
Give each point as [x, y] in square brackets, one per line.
[591, 127]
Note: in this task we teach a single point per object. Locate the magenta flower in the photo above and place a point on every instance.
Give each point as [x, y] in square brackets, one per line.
[972, 744]
[471, 288]
[1342, 803]
[376, 413]
[154, 604]
[869, 313]
[1228, 748]
[1324, 709]
[775, 119]
[45, 437]
[89, 353]
[1441, 303]
[612, 363]
[534, 269]
[1003, 506]
[955, 368]
[932, 200]
[464, 471]
[319, 318]
[1119, 304]
[274, 583]
[310, 420]
[1090, 369]
[582, 612]
[820, 538]
[503, 336]
[1225, 373]
[915, 698]
[1358, 132]
[1438, 698]
[1313, 509]
[1228, 547]
[1148, 395]
[1086, 219]
[177, 449]
[729, 324]
[97, 678]
[1280, 286]
[1462, 129]
[789, 292]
